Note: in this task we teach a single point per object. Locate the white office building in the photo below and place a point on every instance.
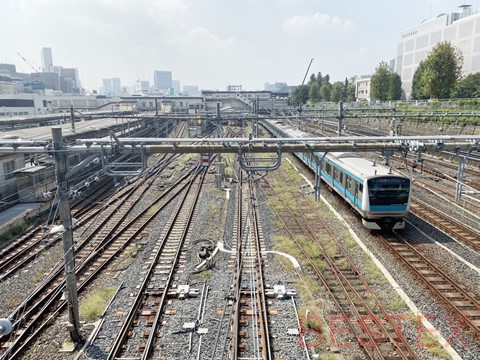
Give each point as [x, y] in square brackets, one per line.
[461, 29]
[47, 60]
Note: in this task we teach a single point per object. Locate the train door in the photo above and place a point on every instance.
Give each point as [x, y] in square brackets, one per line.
[341, 181]
[359, 195]
[355, 192]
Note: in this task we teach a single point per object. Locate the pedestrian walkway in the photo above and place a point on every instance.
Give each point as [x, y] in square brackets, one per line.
[18, 213]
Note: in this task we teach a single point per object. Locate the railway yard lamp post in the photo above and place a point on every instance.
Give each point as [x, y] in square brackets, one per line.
[67, 236]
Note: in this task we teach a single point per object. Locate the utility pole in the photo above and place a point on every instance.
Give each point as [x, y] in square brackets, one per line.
[67, 236]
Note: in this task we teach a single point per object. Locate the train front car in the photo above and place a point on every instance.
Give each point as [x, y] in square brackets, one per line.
[381, 198]
[387, 202]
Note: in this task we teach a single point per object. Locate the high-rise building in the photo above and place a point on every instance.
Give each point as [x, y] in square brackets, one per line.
[47, 60]
[69, 81]
[277, 87]
[51, 80]
[190, 90]
[112, 86]
[162, 80]
[176, 86]
[141, 86]
[9, 68]
[461, 29]
[117, 85]
[235, 88]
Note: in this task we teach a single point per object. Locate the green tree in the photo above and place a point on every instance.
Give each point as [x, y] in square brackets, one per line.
[350, 89]
[326, 80]
[442, 70]
[312, 80]
[319, 79]
[395, 87]
[380, 82]
[469, 87]
[299, 95]
[418, 93]
[325, 91]
[314, 92]
[338, 92]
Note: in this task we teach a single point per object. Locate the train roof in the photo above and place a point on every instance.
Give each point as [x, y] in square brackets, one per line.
[351, 161]
[360, 166]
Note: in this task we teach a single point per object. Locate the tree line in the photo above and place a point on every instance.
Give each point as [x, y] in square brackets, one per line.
[438, 76]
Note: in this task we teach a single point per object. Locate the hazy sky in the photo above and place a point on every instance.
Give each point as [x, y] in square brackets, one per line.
[211, 43]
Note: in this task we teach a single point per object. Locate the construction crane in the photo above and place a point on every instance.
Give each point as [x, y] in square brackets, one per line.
[306, 73]
[30, 64]
[303, 82]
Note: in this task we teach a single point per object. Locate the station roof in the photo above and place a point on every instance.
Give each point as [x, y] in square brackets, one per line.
[30, 169]
[82, 128]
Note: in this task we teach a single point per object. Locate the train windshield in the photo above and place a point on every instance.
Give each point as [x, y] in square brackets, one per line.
[388, 191]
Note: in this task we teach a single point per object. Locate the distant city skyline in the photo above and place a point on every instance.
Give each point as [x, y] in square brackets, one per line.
[211, 43]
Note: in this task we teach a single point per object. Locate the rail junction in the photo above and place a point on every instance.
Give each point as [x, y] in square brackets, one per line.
[246, 323]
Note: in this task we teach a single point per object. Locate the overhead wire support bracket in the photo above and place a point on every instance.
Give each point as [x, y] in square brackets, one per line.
[117, 140]
[247, 164]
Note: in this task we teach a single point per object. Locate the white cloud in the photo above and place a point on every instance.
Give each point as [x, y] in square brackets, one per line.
[317, 21]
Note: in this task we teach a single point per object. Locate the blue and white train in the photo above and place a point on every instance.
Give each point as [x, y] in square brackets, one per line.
[380, 197]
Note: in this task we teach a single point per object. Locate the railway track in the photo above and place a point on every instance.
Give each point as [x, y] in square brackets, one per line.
[44, 303]
[143, 319]
[465, 306]
[372, 327]
[249, 320]
[28, 247]
[447, 192]
[450, 226]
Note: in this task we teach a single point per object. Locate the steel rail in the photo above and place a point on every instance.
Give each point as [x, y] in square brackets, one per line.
[260, 289]
[448, 290]
[58, 288]
[447, 224]
[400, 345]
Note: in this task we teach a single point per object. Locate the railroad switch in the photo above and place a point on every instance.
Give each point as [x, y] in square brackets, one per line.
[184, 291]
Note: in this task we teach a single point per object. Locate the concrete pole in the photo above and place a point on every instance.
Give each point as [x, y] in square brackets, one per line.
[72, 118]
[460, 174]
[220, 169]
[67, 236]
[340, 118]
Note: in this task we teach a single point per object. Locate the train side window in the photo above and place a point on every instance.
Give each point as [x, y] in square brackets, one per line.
[348, 182]
[341, 177]
[328, 168]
